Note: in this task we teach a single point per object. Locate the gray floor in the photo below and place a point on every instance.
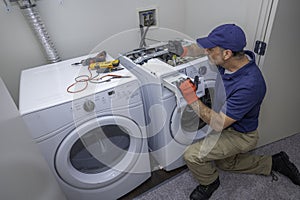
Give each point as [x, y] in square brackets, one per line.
[157, 177]
[237, 186]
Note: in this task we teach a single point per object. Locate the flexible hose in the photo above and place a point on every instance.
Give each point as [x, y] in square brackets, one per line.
[32, 16]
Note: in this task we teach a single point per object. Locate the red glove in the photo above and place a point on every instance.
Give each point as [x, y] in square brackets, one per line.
[188, 90]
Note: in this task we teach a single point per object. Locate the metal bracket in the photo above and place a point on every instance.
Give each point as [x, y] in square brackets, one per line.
[7, 3]
[260, 47]
[26, 3]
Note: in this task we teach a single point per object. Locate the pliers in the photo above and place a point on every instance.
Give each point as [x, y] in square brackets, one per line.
[112, 76]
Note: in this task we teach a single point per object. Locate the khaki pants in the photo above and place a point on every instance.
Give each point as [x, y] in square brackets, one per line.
[227, 151]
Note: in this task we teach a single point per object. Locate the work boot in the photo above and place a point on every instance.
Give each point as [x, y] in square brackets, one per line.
[282, 164]
[203, 192]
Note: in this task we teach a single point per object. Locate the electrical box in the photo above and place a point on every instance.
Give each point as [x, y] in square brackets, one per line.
[148, 16]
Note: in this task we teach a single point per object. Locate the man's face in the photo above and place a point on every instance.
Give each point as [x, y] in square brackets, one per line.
[215, 55]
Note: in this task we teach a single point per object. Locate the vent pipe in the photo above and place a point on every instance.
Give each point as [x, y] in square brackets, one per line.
[30, 12]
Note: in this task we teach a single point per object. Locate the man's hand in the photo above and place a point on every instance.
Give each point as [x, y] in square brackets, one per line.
[175, 47]
[188, 90]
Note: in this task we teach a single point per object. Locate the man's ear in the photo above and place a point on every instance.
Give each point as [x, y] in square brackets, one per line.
[227, 54]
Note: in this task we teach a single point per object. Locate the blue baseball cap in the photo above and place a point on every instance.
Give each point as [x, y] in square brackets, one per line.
[227, 36]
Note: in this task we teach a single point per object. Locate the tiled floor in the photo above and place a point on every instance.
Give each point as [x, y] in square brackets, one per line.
[156, 178]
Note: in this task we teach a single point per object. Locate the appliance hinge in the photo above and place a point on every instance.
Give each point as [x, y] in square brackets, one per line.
[260, 47]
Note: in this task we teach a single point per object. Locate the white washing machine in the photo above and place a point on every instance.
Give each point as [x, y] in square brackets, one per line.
[94, 140]
[171, 125]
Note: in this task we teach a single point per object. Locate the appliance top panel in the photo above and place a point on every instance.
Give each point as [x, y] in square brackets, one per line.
[45, 86]
[160, 69]
[158, 61]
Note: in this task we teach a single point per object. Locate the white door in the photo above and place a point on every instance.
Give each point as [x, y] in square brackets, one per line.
[280, 66]
[99, 152]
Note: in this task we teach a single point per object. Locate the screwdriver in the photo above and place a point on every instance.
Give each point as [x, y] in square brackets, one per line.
[100, 57]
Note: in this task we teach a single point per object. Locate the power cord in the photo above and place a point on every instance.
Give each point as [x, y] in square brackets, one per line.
[148, 23]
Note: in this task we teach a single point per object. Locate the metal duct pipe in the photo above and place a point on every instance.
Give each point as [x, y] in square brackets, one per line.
[31, 14]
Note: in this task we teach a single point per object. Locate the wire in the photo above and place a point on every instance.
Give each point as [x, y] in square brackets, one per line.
[143, 42]
[90, 79]
[81, 79]
[144, 33]
[76, 91]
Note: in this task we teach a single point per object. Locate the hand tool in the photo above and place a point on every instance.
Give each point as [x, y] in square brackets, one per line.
[100, 57]
[106, 65]
[112, 76]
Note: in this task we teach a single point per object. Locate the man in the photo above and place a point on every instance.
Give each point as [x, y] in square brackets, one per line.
[245, 89]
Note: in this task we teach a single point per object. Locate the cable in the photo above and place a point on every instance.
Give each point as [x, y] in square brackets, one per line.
[144, 33]
[91, 79]
[143, 42]
[81, 79]
[76, 91]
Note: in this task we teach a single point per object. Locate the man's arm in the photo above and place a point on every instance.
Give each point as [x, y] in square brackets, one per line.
[217, 121]
[192, 50]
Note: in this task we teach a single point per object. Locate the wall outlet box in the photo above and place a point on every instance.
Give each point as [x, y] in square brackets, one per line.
[148, 16]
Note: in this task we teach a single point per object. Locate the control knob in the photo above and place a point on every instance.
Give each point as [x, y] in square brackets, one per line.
[89, 106]
[202, 70]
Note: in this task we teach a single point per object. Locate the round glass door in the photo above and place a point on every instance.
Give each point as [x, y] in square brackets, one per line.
[186, 126]
[98, 152]
[100, 149]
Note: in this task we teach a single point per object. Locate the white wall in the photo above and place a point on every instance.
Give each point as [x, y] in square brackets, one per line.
[204, 15]
[24, 172]
[76, 27]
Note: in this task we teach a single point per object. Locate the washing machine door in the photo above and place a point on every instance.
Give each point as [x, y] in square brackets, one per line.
[98, 152]
[185, 126]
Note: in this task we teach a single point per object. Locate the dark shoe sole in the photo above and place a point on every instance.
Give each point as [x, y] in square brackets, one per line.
[201, 194]
[290, 166]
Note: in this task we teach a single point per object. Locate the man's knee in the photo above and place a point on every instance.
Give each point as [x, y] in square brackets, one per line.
[190, 155]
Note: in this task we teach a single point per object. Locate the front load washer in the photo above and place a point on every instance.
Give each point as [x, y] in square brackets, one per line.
[170, 127]
[94, 140]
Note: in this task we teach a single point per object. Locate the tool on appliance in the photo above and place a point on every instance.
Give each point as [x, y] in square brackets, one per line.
[104, 65]
[100, 57]
[111, 76]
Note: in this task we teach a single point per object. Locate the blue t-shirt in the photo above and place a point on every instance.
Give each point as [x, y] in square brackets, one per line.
[245, 90]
